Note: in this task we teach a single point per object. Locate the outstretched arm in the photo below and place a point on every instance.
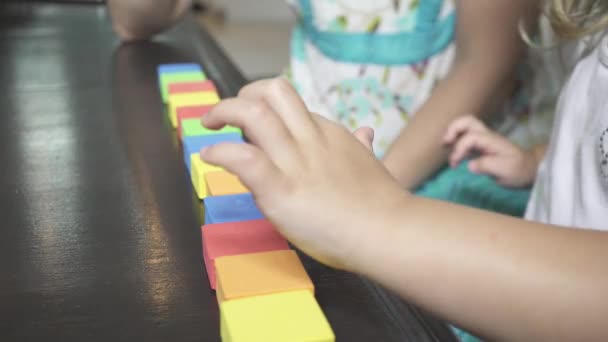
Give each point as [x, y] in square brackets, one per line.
[501, 277]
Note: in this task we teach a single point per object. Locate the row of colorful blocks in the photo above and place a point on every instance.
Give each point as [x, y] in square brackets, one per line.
[263, 290]
[189, 96]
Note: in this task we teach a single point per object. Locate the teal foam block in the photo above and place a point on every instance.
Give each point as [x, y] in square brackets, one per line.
[193, 144]
[231, 208]
[459, 185]
[178, 67]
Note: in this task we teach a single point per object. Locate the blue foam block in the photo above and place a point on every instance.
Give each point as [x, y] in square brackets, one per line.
[193, 144]
[231, 208]
[207, 218]
[180, 67]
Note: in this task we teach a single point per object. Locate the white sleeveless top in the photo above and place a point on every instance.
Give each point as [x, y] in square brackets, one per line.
[571, 187]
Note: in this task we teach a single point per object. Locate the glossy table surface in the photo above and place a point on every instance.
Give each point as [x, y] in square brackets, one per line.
[99, 237]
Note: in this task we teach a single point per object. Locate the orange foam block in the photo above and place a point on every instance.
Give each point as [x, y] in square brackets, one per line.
[191, 87]
[235, 238]
[223, 183]
[257, 274]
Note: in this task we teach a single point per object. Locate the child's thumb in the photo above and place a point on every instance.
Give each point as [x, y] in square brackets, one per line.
[366, 136]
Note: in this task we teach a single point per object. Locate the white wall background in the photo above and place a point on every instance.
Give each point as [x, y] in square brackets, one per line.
[255, 10]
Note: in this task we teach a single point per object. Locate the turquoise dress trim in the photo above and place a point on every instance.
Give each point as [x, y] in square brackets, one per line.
[429, 37]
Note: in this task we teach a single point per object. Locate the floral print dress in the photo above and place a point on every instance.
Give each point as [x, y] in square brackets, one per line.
[374, 63]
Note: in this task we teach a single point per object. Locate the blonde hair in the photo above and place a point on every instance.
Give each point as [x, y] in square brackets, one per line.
[572, 19]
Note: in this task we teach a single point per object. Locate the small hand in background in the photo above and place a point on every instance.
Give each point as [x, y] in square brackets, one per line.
[492, 154]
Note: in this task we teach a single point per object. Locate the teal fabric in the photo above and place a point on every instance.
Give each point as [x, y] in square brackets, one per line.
[459, 185]
[298, 43]
[428, 38]
[464, 336]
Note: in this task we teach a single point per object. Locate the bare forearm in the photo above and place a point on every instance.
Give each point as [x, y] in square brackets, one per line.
[418, 151]
[501, 277]
[139, 19]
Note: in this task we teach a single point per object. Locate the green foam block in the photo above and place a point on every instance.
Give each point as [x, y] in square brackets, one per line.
[192, 127]
[166, 79]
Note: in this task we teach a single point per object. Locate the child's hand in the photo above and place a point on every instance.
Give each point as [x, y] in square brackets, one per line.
[498, 157]
[321, 187]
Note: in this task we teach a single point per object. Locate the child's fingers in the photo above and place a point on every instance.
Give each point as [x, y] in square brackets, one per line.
[366, 136]
[260, 124]
[483, 142]
[492, 165]
[280, 95]
[253, 167]
[461, 126]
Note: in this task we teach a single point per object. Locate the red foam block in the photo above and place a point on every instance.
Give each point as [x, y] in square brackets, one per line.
[235, 238]
[190, 112]
[191, 87]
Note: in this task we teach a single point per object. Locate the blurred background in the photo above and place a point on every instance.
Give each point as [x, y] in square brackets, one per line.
[250, 32]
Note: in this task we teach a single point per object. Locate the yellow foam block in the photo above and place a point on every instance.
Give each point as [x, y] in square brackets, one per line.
[290, 316]
[203, 98]
[224, 183]
[198, 169]
[199, 207]
[257, 274]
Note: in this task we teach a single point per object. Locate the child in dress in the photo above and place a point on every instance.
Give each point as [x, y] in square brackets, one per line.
[407, 68]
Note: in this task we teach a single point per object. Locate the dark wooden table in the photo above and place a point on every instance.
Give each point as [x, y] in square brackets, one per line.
[99, 232]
